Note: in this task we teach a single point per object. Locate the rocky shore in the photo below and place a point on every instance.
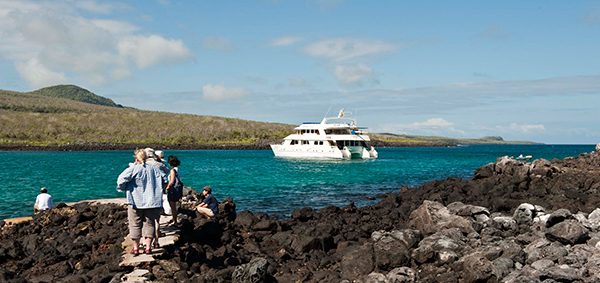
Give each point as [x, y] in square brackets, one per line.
[512, 222]
[262, 144]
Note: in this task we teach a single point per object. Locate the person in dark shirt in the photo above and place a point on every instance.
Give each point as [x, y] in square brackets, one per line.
[210, 206]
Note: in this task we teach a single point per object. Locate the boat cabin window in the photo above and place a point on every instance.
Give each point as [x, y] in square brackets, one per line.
[337, 132]
[294, 142]
[305, 142]
[343, 143]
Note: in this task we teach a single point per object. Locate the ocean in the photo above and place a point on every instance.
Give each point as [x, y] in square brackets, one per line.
[255, 179]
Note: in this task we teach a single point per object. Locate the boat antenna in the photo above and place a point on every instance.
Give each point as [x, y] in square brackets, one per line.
[329, 109]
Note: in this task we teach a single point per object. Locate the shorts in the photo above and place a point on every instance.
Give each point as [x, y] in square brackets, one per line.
[206, 210]
[141, 221]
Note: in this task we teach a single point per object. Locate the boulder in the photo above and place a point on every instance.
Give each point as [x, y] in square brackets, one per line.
[402, 275]
[558, 216]
[477, 268]
[438, 248]
[505, 223]
[432, 216]
[253, 272]
[484, 172]
[524, 214]
[473, 212]
[357, 261]
[390, 253]
[245, 219]
[303, 214]
[375, 277]
[562, 273]
[569, 232]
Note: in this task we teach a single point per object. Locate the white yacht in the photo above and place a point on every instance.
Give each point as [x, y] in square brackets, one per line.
[334, 137]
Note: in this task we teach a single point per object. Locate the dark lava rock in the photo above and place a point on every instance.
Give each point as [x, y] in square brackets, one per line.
[568, 232]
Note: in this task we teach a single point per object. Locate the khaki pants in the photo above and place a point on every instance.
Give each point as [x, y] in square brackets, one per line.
[207, 211]
[141, 222]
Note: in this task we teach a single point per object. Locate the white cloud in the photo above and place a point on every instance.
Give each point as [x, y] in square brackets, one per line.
[285, 41]
[354, 75]
[38, 74]
[52, 38]
[99, 8]
[117, 28]
[343, 49]
[220, 92]
[433, 126]
[24, 6]
[298, 82]
[512, 128]
[148, 51]
[220, 43]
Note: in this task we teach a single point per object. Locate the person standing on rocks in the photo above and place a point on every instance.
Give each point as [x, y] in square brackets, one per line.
[43, 201]
[210, 206]
[143, 184]
[154, 159]
[174, 188]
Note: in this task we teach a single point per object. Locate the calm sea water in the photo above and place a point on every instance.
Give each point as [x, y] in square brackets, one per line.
[255, 179]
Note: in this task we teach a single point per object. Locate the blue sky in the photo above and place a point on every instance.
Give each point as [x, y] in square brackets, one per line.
[523, 70]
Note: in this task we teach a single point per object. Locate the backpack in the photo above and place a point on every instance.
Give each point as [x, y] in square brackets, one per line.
[176, 192]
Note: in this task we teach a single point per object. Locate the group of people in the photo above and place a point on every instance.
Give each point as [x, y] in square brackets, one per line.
[145, 182]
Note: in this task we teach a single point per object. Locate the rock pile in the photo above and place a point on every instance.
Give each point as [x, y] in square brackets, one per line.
[513, 222]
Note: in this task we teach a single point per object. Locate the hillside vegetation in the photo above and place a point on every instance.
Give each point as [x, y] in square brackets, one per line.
[30, 118]
[75, 93]
[67, 114]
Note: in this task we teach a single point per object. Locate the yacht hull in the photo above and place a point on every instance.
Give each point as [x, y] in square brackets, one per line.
[320, 152]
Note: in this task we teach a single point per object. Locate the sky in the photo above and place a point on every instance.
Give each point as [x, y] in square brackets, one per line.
[523, 70]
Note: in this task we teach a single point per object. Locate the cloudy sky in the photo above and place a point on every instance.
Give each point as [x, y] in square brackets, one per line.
[523, 70]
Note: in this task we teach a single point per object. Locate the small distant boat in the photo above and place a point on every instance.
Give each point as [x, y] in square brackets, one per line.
[335, 137]
[526, 157]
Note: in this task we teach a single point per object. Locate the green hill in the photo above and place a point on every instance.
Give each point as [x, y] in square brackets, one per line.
[76, 93]
[66, 114]
[34, 119]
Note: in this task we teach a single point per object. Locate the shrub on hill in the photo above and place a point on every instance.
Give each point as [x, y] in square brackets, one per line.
[76, 93]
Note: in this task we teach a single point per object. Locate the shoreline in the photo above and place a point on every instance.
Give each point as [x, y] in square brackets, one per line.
[514, 221]
[264, 144]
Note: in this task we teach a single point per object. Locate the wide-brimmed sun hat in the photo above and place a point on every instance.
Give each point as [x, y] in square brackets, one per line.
[160, 154]
[150, 153]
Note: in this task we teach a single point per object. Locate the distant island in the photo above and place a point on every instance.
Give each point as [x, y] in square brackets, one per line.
[68, 117]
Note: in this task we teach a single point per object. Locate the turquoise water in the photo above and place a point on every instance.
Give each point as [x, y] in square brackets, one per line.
[255, 179]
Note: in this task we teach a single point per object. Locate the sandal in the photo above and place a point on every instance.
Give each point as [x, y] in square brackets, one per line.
[148, 251]
[134, 252]
[156, 245]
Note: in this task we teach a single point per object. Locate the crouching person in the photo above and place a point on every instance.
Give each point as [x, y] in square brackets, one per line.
[210, 206]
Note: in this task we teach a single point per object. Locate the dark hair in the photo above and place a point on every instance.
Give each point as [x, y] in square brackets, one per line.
[43, 190]
[173, 161]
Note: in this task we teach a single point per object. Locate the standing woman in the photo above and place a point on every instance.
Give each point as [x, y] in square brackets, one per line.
[174, 188]
[143, 184]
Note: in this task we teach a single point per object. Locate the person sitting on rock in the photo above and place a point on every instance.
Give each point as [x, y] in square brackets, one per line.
[210, 206]
[43, 201]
